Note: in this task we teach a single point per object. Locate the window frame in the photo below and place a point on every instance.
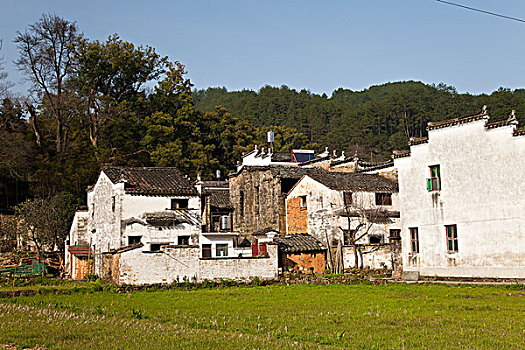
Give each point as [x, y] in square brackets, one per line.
[221, 247]
[303, 202]
[175, 203]
[182, 239]
[414, 239]
[452, 238]
[434, 181]
[381, 196]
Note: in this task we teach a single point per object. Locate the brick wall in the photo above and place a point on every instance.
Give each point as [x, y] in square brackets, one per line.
[305, 260]
[297, 216]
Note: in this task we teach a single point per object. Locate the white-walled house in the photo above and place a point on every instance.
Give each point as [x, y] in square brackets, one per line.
[462, 200]
[143, 225]
[325, 205]
[152, 206]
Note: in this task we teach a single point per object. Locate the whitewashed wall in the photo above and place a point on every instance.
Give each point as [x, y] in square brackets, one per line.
[138, 266]
[483, 193]
[106, 222]
[325, 206]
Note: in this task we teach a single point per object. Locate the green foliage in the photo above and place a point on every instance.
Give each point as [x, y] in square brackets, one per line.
[136, 313]
[373, 122]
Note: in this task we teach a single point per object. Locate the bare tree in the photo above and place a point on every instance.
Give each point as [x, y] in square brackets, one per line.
[47, 50]
[364, 220]
[4, 83]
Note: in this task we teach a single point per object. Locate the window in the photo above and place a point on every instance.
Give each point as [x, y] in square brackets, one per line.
[452, 238]
[113, 203]
[383, 198]
[221, 250]
[375, 239]
[179, 203]
[134, 240]
[206, 250]
[395, 233]
[414, 239]
[155, 247]
[263, 249]
[347, 198]
[303, 202]
[183, 240]
[434, 182]
[225, 222]
[241, 203]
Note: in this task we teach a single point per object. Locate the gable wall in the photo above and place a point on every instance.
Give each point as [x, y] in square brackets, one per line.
[483, 193]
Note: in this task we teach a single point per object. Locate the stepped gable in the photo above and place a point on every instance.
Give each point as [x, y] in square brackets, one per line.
[298, 243]
[355, 182]
[151, 180]
[456, 121]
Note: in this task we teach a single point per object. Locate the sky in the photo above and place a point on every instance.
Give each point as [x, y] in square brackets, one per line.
[315, 45]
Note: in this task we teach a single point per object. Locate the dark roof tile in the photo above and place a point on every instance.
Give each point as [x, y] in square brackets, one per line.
[355, 182]
[153, 180]
[298, 243]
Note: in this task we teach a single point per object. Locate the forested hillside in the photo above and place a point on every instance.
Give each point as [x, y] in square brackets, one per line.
[378, 120]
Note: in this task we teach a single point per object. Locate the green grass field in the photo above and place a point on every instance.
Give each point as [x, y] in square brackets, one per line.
[393, 316]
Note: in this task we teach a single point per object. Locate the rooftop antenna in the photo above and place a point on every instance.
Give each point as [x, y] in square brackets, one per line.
[270, 137]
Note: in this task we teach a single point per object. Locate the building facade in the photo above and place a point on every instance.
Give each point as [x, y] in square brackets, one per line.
[338, 207]
[462, 200]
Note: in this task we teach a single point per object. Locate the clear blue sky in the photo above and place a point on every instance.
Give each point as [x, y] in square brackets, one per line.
[316, 45]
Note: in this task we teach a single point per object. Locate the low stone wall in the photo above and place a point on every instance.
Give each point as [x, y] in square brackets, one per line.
[139, 266]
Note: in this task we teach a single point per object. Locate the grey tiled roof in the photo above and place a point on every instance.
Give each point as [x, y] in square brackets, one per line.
[220, 199]
[355, 182]
[298, 243]
[172, 217]
[153, 180]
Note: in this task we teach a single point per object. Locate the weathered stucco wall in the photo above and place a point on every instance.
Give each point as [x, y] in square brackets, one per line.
[325, 208]
[138, 266]
[482, 192]
[241, 268]
[381, 256]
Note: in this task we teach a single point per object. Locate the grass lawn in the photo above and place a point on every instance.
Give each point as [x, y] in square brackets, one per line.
[393, 316]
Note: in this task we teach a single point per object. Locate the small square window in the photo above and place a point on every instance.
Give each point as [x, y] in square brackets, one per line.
[221, 250]
[134, 240]
[383, 198]
[375, 239]
[154, 247]
[183, 240]
[179, 203]
[395, 234]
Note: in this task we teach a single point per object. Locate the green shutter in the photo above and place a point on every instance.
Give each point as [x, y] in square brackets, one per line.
[429, 184]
